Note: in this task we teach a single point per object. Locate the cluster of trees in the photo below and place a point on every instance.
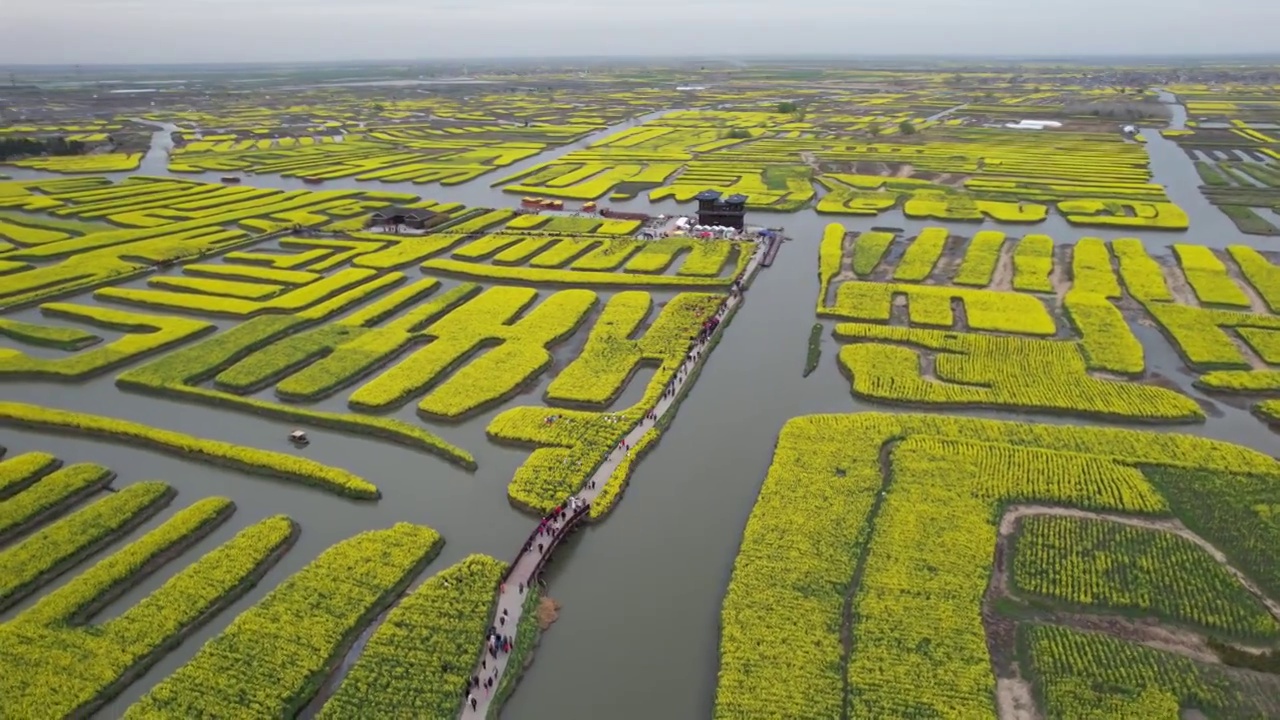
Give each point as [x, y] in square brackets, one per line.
[17, 147]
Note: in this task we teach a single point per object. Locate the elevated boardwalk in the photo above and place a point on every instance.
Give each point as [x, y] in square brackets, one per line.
[772, 246]
[536, 551]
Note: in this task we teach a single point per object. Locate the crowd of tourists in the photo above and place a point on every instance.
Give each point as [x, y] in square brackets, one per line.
[555, 522]
[496, 644]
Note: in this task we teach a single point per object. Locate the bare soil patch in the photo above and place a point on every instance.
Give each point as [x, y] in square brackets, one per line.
[1177, 282]
[1003, 277]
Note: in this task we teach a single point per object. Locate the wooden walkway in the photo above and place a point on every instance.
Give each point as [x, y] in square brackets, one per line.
[533, 556]
[771, 250]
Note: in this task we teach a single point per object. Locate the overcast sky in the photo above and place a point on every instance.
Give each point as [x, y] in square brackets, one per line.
[167, 31]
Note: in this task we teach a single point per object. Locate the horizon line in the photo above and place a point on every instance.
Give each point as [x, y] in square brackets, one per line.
[1067, 57]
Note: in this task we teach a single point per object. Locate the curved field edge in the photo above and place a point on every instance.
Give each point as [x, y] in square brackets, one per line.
[1049, 545]
[216, 452]
[787, 642]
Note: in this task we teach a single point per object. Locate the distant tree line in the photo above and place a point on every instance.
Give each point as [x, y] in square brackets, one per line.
[17, 147]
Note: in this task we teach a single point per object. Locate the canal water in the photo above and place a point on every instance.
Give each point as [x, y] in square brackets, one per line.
[640, 593]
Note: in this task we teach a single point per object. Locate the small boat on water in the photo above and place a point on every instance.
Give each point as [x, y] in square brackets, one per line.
[297, 437]
[230, 179]
[312, 180]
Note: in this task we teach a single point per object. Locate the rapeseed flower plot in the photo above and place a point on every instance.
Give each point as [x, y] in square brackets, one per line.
[909, 513]
[1263, 275]
[980, 259]
[1091, 269]
[418, 658]
[1208, 276]
[18, 471]
[1107, 566]
[922, 254]
[993, 371]
[272, 657]
[51, 549]
[1142, 276]
[573, 443]
[931, 305]
[1204, 345]
[105, 162]
[1033, 263]
[59, 488]
[145, 334]
[266, 462]
[1095, 675]
[1106, 340]
[60, 666]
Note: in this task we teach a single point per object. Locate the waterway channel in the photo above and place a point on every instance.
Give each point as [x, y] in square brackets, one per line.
[640, 593]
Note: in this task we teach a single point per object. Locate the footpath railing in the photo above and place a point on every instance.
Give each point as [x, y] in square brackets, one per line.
[771, 250]
[570, 524]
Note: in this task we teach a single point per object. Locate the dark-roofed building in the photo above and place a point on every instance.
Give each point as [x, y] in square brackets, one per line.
[714, 208]
[412, 217]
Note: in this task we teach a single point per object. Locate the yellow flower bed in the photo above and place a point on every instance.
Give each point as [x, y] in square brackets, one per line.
[104, 162]
[1091, 269]
[18, 471]
[571, 444]
[830, 257]
[980, 259]
[223, 288]
[56, 336]
[609, 359]
[167, 221]
[868, 249]
[23, 235]
[278, 261]
[292, 301]
[1110, 567]
[275, 655]
[1156, 215]
[995, 371]
[50, 550]
[266, 462]
[502, 371]
[1033, 263]
[920, 539]
[59, 488]
[1081, 674]
[180, 372]
[1261, 274]
[1105, 337]
[1208, 277]
[1199, 336]
[922, 254]
[568, 277]
[1243, 381]
[424, 651]
[145, 334]
[520, 352]
[67, 666]
[366, 348]
[1142, 276]
[254, 273]
[931, 305]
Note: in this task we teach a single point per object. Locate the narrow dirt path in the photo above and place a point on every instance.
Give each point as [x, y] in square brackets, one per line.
[1016, 512]
[511, 596]
[1015, 699]
[1002, 279]
[1177, 282]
